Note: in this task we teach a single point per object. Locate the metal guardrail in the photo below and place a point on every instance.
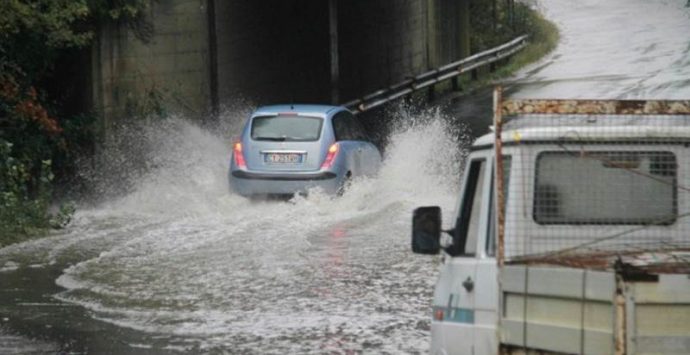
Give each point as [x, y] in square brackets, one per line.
[435, 76]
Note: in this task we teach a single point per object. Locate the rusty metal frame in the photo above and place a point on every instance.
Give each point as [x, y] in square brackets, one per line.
[592, 107]
[500, 196]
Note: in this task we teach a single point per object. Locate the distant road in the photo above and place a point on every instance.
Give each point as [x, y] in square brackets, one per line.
[615, 49]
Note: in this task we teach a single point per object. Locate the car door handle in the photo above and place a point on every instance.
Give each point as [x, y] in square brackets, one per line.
[468, 284]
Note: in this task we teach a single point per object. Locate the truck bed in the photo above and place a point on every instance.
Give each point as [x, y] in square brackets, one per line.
[549, 309]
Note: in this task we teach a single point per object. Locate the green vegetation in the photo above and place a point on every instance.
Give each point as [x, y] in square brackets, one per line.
[543, 38]
[41, 130]
[495, 22]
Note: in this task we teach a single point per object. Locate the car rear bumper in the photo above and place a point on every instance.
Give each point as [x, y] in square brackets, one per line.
[248, 183]
[245, 175]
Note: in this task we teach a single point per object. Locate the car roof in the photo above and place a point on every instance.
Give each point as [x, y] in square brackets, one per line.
[309, 110]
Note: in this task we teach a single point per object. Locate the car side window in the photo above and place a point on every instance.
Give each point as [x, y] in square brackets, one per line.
[342, 126]
[358, 129]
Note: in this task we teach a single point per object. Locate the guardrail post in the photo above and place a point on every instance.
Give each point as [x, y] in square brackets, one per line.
[430, 93]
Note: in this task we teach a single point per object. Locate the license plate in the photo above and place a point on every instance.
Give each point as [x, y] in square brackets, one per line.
[283, 158]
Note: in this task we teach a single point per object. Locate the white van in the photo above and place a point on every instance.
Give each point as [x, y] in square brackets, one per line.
[591, 254]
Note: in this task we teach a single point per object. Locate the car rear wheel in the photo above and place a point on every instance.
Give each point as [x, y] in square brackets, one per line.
[347, 181]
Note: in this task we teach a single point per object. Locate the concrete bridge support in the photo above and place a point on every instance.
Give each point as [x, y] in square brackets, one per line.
[130, 77]
[205, 52]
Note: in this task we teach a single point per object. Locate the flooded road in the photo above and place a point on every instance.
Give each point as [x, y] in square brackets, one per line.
[616, 49]
[168, 261]
[179, 264]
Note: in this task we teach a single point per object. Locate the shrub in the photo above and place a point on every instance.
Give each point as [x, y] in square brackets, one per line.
[39, 139]
[24, 197]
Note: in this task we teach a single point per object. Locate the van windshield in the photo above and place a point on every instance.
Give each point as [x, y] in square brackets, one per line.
[286, 128]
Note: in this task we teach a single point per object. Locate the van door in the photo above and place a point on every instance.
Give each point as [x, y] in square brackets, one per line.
[454, 310]
[486, 284]
[466, 299]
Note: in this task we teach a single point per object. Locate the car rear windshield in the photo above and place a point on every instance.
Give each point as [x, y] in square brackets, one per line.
[286, 128]
[605, 188]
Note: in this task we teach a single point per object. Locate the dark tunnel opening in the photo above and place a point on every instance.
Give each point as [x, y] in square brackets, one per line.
[280, 51]
[274, 51]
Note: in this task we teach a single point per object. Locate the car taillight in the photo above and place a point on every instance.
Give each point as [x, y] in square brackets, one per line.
[239, 156]
[438, 315]
[330, 157]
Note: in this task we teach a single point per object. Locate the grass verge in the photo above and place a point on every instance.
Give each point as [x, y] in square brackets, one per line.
[543, 38]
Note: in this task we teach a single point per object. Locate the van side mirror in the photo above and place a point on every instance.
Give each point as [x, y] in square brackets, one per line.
[426, 230]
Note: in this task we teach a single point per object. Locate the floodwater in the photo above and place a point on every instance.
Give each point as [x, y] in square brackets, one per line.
[614, 49]
[167, 260]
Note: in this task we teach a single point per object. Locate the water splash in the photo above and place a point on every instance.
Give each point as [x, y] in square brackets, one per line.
[176, 168]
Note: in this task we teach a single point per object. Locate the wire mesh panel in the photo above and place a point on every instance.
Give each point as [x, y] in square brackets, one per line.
[592, 182]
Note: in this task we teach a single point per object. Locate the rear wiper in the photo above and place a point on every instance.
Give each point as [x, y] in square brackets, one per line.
[275, 139]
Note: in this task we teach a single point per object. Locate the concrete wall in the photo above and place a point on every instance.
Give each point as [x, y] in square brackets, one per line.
[380, 44]
[172, 70]
[278, 50]
[268, 51]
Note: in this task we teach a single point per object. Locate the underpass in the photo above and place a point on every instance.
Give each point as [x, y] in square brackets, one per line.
[178, 265]
[202, 56]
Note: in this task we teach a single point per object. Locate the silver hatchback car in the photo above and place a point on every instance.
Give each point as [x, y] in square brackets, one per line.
[288, 149]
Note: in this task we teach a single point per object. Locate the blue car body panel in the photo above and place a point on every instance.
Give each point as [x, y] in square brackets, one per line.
[263, 176]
